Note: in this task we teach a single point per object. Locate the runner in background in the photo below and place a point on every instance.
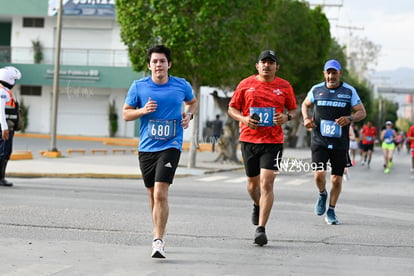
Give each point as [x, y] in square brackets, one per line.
[368, 136]
[410, 139]
[353, 142]
[388, 135]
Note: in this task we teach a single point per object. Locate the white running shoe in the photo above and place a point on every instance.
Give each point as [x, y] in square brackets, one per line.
[347, 176]
[158, 249]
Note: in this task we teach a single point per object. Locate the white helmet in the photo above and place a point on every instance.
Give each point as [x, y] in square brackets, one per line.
[10, 74]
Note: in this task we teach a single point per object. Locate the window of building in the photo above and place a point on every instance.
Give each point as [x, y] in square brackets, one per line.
[34, 22]
[26, 90]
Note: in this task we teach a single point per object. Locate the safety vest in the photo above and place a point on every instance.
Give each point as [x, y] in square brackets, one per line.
[11, 106]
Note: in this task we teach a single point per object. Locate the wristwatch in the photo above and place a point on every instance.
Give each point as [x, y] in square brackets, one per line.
[289, 116]
[191, 115]
[350, 118]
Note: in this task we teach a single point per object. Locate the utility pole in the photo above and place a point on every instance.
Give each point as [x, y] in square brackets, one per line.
[349, 28]
[53, 152]
[328, 5]
[348, 45]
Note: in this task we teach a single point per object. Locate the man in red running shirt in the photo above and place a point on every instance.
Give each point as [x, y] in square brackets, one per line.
[410, 137]
[262, 103]
[369, 133]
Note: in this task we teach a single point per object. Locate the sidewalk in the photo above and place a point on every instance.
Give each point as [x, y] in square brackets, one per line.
[111, 164]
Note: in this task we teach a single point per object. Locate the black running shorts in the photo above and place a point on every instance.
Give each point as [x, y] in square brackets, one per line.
[367, 147]
[159, 166]
[261, 156]
[336, 157]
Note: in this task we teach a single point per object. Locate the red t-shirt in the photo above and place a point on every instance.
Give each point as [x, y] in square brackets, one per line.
[411, 134]
[263, 96]
[368, 135]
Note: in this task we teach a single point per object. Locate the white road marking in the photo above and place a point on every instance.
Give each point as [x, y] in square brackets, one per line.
[280, 180]
[213, 178]
[237, 180]
[293, 182]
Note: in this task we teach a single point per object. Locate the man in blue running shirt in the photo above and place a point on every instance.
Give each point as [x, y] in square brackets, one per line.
[388, 135]
[335, 105]
[157, 101]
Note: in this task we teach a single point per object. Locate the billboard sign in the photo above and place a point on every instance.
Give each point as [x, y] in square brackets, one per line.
[83, 7]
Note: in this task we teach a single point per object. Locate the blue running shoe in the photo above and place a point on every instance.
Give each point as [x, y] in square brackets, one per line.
[331, 217]
[320, 206]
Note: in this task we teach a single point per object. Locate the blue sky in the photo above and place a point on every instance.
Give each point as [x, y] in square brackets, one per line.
[388, 23]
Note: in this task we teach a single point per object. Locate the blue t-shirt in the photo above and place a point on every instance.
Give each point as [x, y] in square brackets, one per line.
[161, 129]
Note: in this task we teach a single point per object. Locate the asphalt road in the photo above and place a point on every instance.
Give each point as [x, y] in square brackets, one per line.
[53, 226]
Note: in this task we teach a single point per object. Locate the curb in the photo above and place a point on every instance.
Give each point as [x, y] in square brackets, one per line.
[21, 155]
[110, 175]
[110, 141]
[83, 175]
[73, 175]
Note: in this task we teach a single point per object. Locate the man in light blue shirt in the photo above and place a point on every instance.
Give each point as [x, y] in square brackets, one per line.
[157, 101]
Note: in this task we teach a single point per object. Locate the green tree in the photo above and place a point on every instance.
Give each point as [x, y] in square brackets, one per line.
[362, 55]
[202, 35]
[360, 62]
[362, 87]
[403, 124]
[216, 43]
[209, 39]
[383, 110]
[112, 118]
[24, 112]
[366, 96]
[302, 38]
[37, 51]
[337, 51]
